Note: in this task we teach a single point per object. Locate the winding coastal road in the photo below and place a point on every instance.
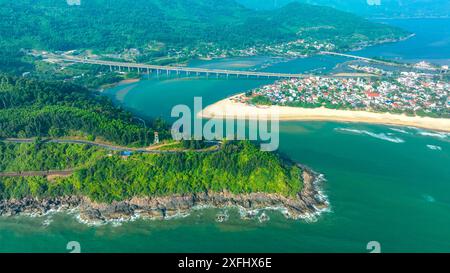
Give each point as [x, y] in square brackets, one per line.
[109, 146]
[37, 173]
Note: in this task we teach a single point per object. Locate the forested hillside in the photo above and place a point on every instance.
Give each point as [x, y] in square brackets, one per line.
[46, 156]
[239, 167]
[166, 24]
[384, 8]
[31, 108]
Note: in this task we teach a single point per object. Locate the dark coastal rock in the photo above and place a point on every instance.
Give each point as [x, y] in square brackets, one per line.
[307, 202]
[91, 215]
[35, 206]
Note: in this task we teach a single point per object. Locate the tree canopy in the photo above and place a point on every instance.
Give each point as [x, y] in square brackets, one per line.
[32, 108]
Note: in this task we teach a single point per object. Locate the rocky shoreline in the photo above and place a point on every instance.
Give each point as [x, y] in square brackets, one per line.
[309, 203]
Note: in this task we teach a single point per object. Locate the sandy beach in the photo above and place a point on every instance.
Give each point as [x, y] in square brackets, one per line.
[229, 108]
[127, 81]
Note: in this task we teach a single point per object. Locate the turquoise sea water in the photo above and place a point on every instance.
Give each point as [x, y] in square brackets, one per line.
[386, 184]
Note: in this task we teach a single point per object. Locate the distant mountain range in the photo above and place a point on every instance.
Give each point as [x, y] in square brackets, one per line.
[369, 8]
[178, 25]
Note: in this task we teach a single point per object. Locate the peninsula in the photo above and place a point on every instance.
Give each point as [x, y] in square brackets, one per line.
[408, 99]
[63, 147]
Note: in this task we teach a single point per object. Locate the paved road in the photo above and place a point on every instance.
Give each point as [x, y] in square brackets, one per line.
[37, 173]
[105, 146]
[84, 142]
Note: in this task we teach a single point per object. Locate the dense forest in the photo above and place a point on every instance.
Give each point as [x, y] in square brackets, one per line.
[46, 156]
[238, 167]
[31, 108]
[114, 25]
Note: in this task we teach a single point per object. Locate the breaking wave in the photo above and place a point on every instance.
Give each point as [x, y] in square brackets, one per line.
[433, 134]
[398, 130]
[434, 147]
[382, 136]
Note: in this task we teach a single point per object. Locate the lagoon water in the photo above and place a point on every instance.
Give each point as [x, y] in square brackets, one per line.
[430, 43]
[386, 184]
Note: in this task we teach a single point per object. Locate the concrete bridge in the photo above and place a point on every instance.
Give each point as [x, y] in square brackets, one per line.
[148, 69]
[353, 57]
[372, 60]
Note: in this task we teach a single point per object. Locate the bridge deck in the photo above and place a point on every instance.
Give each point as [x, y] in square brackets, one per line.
[195, 70]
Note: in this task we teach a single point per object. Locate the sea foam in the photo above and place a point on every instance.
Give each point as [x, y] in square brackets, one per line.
[429, 198]
[382, 136]
[434, 147]
[433, 134]
[398, 130]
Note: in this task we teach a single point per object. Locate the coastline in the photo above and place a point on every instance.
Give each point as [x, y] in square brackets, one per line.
[230, 108]
[308, 204]
[119, 83]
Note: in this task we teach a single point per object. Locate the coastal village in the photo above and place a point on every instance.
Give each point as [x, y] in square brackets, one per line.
[292, 49]
[408, 92]
[158, 53]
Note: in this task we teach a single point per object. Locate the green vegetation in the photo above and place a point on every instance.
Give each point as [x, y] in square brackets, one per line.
[388, 8]
[166, 32]
[238, 167]
[193, 144]
[30, 108]
[46, 156]
[160, 30]
[89, 76]
[261, 100]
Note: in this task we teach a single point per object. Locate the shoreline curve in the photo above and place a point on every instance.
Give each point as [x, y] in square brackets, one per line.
[229, 108]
